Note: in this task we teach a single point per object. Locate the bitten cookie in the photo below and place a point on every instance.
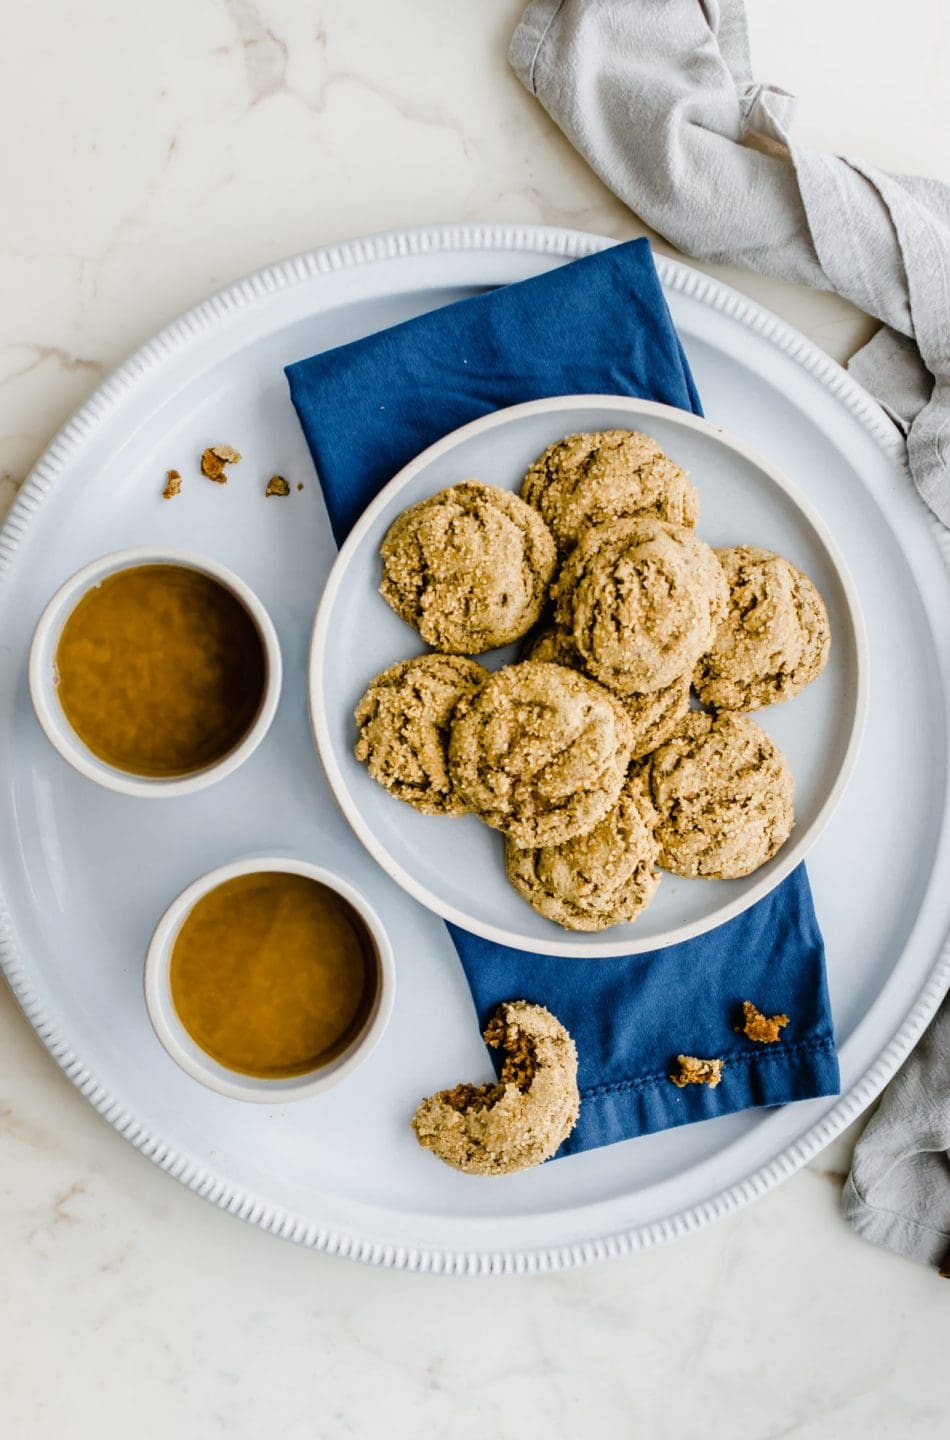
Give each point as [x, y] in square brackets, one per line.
[775, 637]
[403, 722]
[724, 797]
[521, 1121]
[653, 717]
[642, 602]
[607, 475]
[539, 752]
[469, 567]
[600, 879]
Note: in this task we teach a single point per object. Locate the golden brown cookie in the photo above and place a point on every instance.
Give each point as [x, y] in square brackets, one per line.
[469, 567]
[724, 797]
[607, 475]
[642, 602]
[774, 639]
[540, 752]
[501, 1129]
[403, 722]
[653, 717]
[596, 880]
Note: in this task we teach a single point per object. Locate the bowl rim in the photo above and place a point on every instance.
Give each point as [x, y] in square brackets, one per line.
[792, 853]
[189, 1056]
[53, 720]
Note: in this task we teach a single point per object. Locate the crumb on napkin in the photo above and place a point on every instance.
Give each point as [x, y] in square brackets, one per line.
[277, 485]
[697, 1072]
[764, 1029]
[172, 485]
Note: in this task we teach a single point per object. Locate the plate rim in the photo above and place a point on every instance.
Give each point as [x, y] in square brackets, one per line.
[564, 244]
[566, 946]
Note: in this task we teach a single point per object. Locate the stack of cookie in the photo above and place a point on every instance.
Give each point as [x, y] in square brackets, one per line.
[586, 754]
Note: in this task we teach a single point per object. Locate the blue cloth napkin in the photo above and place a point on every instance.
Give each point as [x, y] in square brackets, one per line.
[598, 326]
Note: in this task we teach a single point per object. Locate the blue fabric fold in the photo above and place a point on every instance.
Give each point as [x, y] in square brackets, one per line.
[596, 326]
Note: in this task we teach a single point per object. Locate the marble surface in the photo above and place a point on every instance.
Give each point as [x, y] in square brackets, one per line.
[152, 153]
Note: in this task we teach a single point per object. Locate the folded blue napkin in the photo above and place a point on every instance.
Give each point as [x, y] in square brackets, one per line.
[597, 326]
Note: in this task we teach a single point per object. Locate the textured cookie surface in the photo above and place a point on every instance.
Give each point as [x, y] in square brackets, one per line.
[403, 721]
[605, 475]
[774, 639]
[540, 752]
[642, 602]
[468, 567]
[553, 647]
[600, 879]
[724, 797]
[653, 717]
[521, 1121]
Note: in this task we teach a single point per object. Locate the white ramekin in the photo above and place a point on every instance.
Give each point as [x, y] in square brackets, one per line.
[189, 1055]
[50, 713]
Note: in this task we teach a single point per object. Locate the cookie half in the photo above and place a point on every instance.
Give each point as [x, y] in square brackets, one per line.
[501, 1129]
[403, 722]
[724, 797]
[540, 752]
[469, 567]
[775, 637]
[641, 601]
[607, 475]
[604, 878]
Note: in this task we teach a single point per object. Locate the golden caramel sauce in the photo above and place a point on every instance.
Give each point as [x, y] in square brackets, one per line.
[273, 974]
[161, 670]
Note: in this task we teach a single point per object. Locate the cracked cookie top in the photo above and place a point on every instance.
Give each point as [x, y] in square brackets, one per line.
[469, 567]
[403, 722]
[641, 601]
[607, 475]
[540, 752]
[724, 797]
[603, 878]
[653, 717]
[775, 637]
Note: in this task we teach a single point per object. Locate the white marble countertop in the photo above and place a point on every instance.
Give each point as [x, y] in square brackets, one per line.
[152, 153]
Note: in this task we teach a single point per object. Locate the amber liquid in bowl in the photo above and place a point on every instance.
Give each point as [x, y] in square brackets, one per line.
[273, 974]
[160, 670]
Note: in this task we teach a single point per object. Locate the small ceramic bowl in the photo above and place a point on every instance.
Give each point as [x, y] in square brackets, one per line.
[201, 1066]
[42, 674]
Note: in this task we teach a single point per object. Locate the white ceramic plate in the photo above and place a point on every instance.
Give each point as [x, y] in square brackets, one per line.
[86, 873]
[744, 499]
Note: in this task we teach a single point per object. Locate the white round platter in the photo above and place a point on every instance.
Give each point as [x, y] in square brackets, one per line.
[85, 873]
[744, 499]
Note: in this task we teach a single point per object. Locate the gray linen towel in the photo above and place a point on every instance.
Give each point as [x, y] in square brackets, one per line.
[898, 1192]
[659, 98]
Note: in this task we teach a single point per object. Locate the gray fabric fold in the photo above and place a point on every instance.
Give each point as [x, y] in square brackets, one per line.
[898, 1192]
[659, 98]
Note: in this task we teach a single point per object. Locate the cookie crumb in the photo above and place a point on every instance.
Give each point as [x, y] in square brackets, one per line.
[764, 1029]
[697, 1072]
[214, 459]
[277, 485]
[172, 485]
[299, 484]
